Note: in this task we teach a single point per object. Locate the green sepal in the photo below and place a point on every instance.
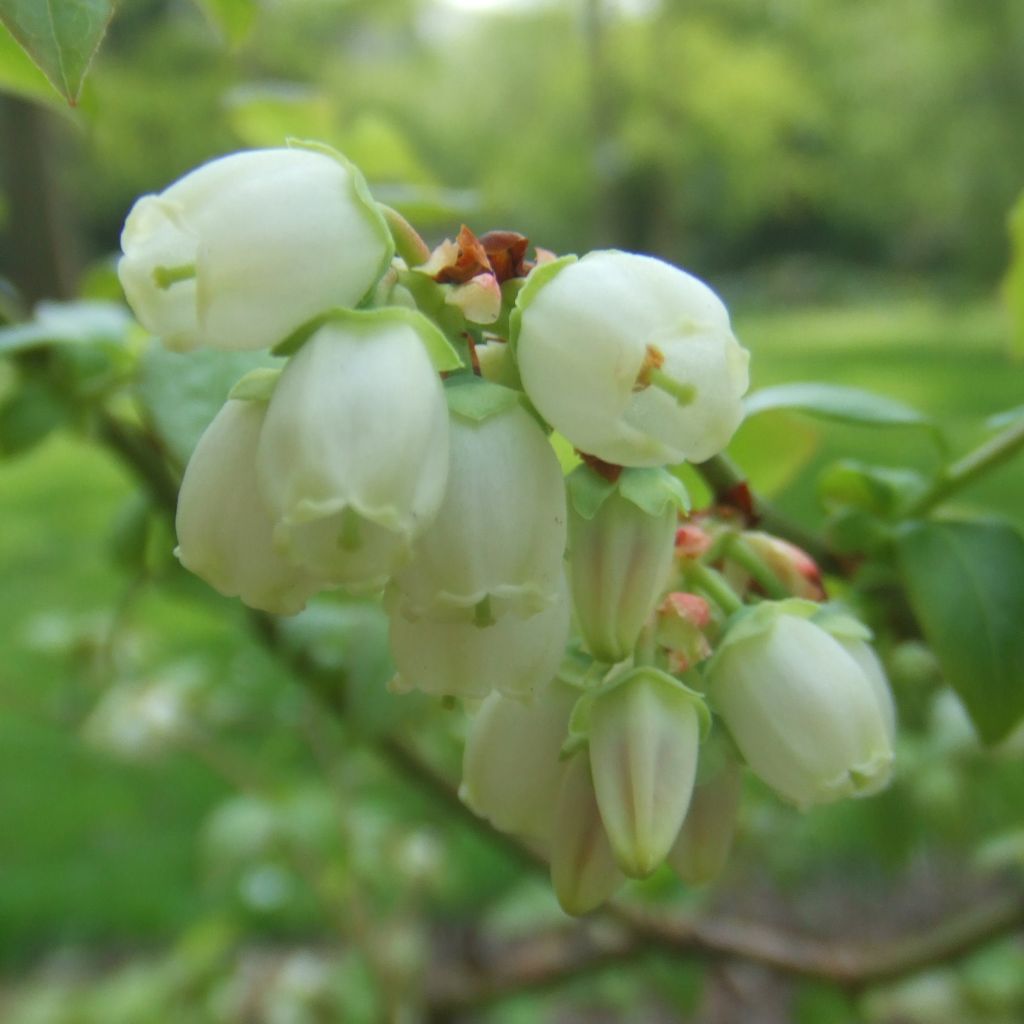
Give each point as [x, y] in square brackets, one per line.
[587, 491]
[475, 399]
[756, 619]
[653, 489]
[656, 675]
[362, 193]
[439, 349]
[257, 385]
[537, 278]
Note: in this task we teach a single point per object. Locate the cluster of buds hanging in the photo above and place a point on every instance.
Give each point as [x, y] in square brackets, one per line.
[624, 658]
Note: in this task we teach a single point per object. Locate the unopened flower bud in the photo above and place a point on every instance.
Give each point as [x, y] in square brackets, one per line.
[497, 543]
[684, 621]
[511, 654]
[511, 768]
[796, 570]
[632, 359]
[583, 869]
[225, 532]
[354, 454]
[702, 846]
[644, 735]
[620, 558]
[803, 702]
[245, 249]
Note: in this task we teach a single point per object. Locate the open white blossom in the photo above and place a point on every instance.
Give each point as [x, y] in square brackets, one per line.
[245, 249]
[632, 359]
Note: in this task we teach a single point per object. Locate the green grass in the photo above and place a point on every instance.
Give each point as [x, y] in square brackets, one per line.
[93, 849]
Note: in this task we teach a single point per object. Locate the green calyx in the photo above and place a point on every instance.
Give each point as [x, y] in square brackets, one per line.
[651, 490]
[672, 688]
[256, 386]
[475, 399]
[369, 322]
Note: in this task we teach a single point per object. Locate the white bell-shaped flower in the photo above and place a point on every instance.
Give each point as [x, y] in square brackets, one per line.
[644, 736]
[632, 359]
[805, 702]
[247, 248]
[583, 868]
[353, 457]
[511, 654]
[496, 546]
[511, 768]
[225, 533]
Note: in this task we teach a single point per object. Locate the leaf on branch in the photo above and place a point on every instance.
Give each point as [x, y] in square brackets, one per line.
[233, 18]
[965, 582]
[61, 36]
[834, 402]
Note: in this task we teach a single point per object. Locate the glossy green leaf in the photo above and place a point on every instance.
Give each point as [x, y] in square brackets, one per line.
[880, 490]
[965, 582]
[832, 401]
[61, 36]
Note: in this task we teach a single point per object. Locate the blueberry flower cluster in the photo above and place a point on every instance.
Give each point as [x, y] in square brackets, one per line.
[624, 658]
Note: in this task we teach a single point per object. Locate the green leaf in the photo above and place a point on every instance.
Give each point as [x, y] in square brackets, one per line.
[28, 416]
[475, 399]
[881, 490]
[832, 401]
[79, 322]
[61, 36]
[1013, 283]
[182, 392]
[965, 583]
[19, 76]
[233, 18]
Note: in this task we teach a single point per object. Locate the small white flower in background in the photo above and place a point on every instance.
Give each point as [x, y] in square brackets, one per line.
[644, 736]
[353, 456]
[514, 655]
[511, 768]
[806, 703]
[245, 249]
[225, 533]
[632, 359]
[497, 544]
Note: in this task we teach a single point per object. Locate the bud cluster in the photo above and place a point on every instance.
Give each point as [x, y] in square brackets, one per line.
[628, 658]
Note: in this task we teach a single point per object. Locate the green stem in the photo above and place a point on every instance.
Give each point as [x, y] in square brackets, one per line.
[727, 481]
[747, 558]
[714, 585]
[646, 650]
[995, 451]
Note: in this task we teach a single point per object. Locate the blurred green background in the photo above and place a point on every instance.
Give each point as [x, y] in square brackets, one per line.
[184, 835]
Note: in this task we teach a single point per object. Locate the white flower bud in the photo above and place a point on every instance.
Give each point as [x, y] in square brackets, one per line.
[620, 559]
[807, 714]
[245, 249]
[496, 546]
[632, 359]
[354, 453]
[644, 735]
[583, 869]
[702, 846]
[511, 768]
[225, 533]
[512, 654]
